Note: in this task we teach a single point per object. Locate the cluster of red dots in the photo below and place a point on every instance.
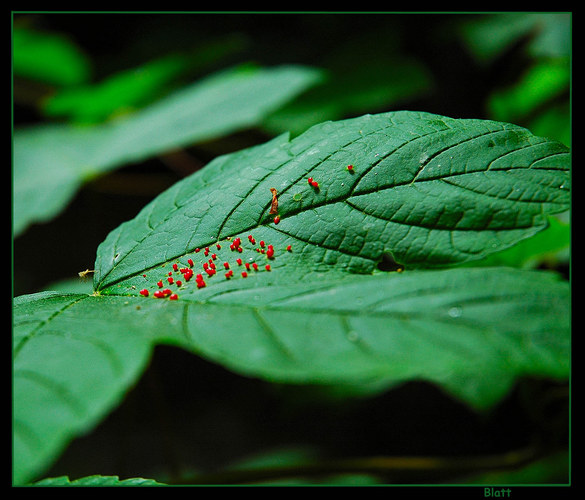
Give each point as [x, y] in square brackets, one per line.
[209, 267]
[312, 182]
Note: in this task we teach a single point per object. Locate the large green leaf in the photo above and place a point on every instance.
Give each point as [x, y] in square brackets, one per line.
[426, 190]
[471, 331]
[52, 161]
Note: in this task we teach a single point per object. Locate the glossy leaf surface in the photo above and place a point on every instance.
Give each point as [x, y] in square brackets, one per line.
[425, 189]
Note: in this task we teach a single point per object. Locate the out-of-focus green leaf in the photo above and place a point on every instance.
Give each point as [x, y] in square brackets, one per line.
[488, 36]
[554, 37]
[48, 57]
[129, 90]
[51, 162]
[543, 247]
[120, 93]
[553, 122]
[427, 189]
[368, 86]
[544, 81]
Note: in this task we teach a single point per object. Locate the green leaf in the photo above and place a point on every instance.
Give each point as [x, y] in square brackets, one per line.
[471, 331]
[543, 82]
[119, 93]
[554, 122]
[66, 377]
[48, 57]
[426, 190]
[51, 162]
[489, 36]
[544, 248]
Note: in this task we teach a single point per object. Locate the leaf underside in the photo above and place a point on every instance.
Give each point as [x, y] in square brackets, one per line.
[470, 331]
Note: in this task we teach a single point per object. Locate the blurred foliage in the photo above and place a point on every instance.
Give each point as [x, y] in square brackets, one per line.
[537, 93]
[131, 89]
[489, 36]
[48, 57]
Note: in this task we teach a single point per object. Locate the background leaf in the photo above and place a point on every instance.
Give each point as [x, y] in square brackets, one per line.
[380, 77]
[543, 82]
[52, 161]
[97, 481]
[48, 57]
[548, 248]
[548, 34]
[126, 91]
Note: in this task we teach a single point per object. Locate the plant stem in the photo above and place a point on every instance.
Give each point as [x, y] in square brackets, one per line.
[405, 468]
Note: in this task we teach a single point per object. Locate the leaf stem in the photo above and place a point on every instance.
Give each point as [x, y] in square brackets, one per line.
[401, 468]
